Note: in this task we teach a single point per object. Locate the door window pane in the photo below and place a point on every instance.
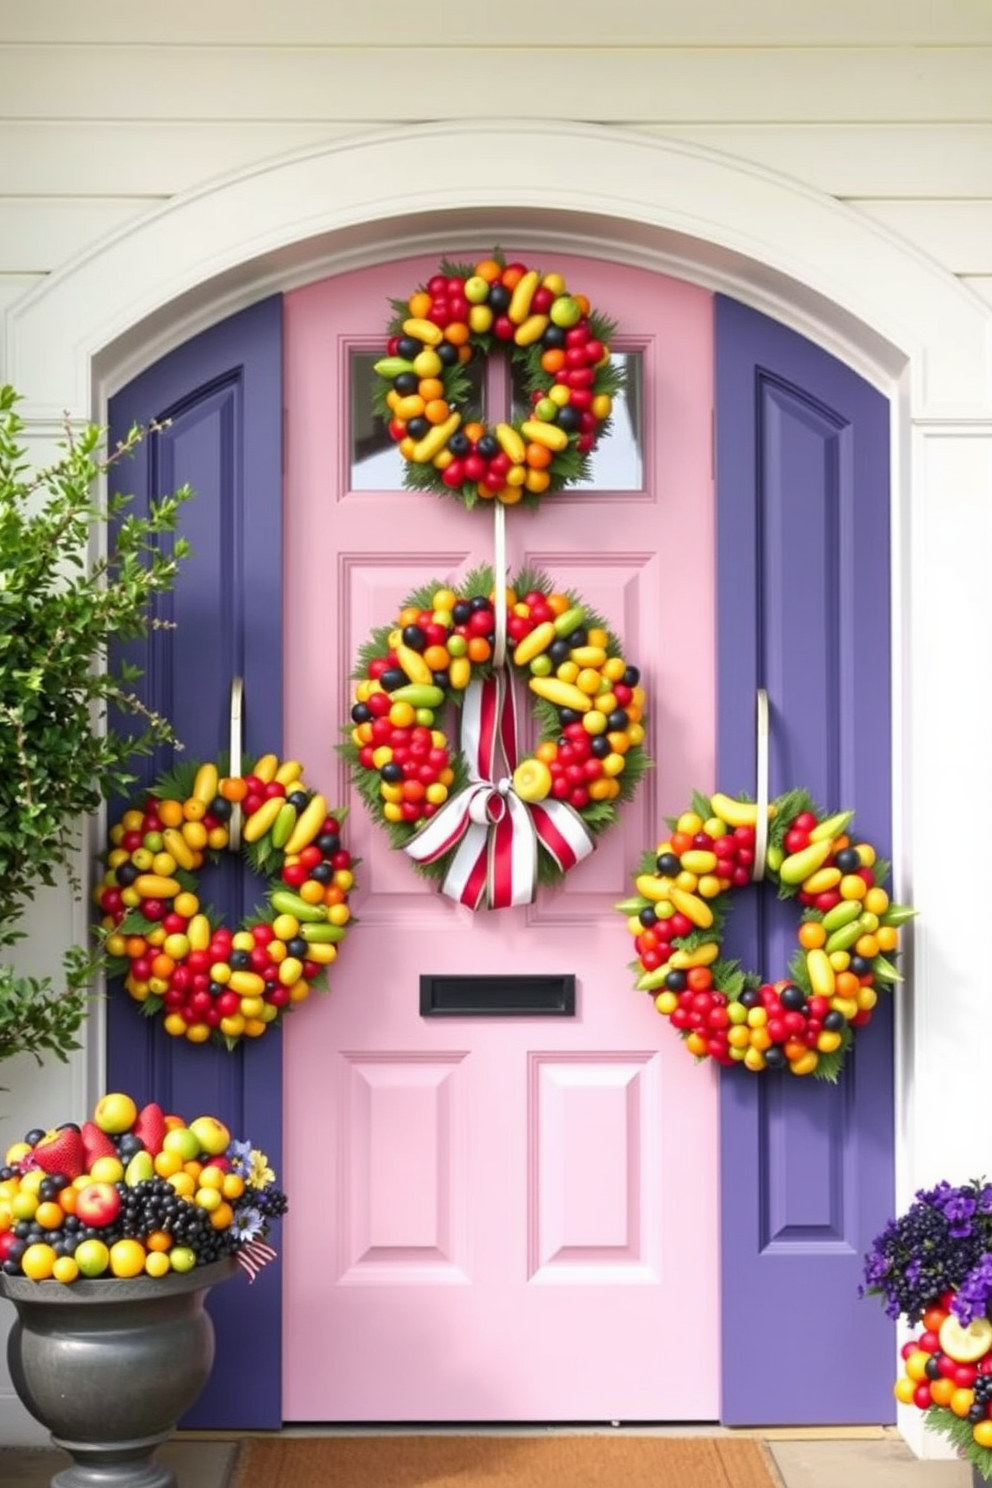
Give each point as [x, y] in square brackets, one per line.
[376, 463]
[617, 464]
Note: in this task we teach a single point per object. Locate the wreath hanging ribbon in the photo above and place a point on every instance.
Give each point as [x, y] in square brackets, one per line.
[493, 833]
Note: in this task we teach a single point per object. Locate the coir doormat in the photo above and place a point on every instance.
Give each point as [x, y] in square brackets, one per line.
[558, 1460]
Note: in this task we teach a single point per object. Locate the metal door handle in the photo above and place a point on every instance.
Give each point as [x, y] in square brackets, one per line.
[761, 768]
[237, 700]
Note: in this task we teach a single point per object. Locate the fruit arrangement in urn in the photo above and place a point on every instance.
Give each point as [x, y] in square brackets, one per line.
[133, 1191]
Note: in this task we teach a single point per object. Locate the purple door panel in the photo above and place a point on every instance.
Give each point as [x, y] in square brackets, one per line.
[222, 396]
[803, 579]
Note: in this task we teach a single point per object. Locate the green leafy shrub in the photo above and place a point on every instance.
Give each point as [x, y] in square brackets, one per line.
[62, 601]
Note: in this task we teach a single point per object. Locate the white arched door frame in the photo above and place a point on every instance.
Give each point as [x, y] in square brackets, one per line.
[846, 282]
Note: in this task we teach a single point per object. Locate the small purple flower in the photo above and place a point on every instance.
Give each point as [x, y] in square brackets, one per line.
[974, 1292]
[247, 1225]
[959, 1208]
[239, 1156]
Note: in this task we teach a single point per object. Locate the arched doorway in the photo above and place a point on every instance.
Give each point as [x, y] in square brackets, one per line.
[815, 265]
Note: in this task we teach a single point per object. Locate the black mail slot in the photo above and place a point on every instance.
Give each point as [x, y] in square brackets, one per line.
[493, 996]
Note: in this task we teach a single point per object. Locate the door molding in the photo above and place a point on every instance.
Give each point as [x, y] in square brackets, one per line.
[844, 281]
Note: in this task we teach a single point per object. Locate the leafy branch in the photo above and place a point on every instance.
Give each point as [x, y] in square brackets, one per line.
[61, 607]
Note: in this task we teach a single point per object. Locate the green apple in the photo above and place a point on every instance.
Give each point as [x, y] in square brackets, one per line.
[212, 1135]
[565, 311]
[476, 290]
[546, 410]
[115, 1113]
[92, 1257]
[182, 1258]
[183, 1142]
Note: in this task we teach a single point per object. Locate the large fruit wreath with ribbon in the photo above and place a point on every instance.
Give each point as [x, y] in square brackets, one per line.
[848, 933]
[488, 822]
[557, 343]
[207, 981]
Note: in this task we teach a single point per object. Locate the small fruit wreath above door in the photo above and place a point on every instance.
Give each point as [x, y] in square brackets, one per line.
[488, 823]
[209, 982]
[848, 932]
[557, 343]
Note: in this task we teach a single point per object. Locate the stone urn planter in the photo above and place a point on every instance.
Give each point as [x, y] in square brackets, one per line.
[109, 1367]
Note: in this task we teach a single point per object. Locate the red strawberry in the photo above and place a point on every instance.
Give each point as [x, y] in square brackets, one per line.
[150, 1126]
[61, 1151]
[96, 1143]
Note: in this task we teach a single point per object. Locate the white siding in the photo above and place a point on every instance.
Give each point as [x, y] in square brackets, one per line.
[108, 108]
[753, 23]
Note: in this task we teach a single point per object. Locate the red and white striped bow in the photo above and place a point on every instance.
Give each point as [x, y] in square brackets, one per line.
[496, 835]
[252, 1256]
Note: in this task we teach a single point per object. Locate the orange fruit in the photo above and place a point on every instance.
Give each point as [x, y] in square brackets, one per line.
[49, 1214]
[961, 1401]
[538, 456]
[457, 333]
[222, 1216]
[194, 809]
[812, 935]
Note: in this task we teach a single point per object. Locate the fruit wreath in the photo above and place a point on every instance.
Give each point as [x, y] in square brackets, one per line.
[211, 983]
[557, 343]
[484, 821]
[848, 933]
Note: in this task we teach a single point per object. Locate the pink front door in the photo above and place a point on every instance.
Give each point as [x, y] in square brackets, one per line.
[499, 1218]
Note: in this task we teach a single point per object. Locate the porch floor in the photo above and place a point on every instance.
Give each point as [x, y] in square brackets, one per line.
[870, 1459]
